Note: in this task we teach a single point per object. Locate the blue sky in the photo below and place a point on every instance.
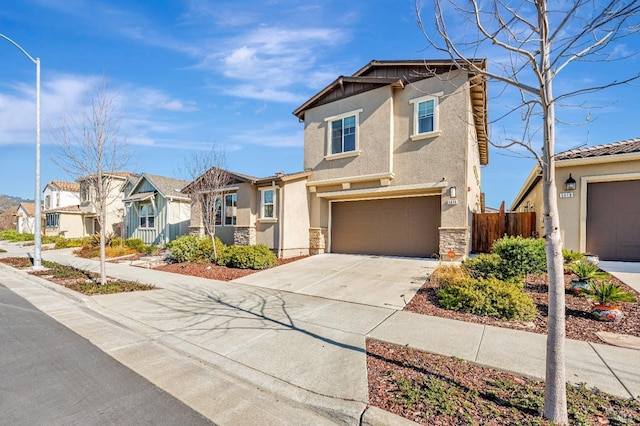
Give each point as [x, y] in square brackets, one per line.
[189, 73]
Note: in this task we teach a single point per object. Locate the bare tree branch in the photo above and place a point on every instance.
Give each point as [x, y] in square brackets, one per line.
[89, 148]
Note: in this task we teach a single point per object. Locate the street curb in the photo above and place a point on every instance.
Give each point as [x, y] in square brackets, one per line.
[334, 409]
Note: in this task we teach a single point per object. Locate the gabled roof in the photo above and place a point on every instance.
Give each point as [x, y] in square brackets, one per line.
[117, 175]
[64, 186]
[166, 186]
[29, 208]
[242, 178]
[623, 147]
[605, 151]
[398, 74]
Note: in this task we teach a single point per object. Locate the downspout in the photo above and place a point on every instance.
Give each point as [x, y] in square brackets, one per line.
[281, 223]
[167, 227]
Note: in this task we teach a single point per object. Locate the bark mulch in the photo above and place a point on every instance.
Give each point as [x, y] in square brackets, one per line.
[580, 325]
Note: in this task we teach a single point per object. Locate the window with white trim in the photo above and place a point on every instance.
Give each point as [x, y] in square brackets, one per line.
[85, 192]
[230, 208]
[267, 203]
[343, 133]
[52, 220]
[47, 202]
[217, 204]
[425, 116]
[147, 216]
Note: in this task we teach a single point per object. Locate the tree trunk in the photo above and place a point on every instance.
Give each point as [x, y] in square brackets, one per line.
[555, 391]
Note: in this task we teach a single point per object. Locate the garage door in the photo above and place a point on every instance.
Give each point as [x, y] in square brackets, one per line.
[396, 227]
[613, 222]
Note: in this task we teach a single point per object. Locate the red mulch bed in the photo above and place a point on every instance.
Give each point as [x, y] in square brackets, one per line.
[580, 325]
[214, 272]
[436, 390]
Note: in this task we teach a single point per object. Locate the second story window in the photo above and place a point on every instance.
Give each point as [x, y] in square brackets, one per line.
[425, 117]
[47, 202]
[85, 192]
[343, 134]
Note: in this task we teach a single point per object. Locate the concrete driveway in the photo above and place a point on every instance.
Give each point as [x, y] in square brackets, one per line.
[388, 282]
[627, 272]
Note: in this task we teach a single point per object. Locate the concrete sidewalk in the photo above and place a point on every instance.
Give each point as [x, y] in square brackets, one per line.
[305, 352]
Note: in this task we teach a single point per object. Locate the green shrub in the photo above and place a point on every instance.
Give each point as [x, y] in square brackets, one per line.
[135, 243]
[485, 266]
[490, 297]
[521, 256]
[116, 242]
[13, 236]
[571, 256]
[71, 242]
[446, 274]
[190, 248]
[248, 257]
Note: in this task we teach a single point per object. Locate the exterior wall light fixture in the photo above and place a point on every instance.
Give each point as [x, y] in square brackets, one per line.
[570, 184]
[452, 192]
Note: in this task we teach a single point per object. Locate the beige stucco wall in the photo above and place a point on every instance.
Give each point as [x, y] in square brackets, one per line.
[295, 233]
[374, 137]
[386, 124]
[572, 211]
[70, 225]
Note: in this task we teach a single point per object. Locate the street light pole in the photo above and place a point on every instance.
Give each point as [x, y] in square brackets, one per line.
[37, 251]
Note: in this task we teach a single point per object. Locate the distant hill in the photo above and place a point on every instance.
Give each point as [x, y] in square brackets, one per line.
[8, 202]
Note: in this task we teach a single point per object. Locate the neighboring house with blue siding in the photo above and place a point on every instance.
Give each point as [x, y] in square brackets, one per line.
[156, 211]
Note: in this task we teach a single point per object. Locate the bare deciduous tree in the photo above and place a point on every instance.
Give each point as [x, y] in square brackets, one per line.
[209, 182]
[89, 147]
[537, 40]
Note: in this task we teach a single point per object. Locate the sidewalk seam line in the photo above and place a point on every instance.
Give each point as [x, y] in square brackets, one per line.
[612, 372]
[475, 358]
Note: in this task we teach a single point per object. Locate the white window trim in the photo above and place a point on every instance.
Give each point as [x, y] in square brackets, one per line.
[356, 151]
[262, 216]
[435, 97]
[224, 206]
[153, 210]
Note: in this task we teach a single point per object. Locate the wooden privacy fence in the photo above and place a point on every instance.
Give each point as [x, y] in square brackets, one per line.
[488, 227]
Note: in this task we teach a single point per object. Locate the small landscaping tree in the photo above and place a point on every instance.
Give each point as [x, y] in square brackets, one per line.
[208, 188]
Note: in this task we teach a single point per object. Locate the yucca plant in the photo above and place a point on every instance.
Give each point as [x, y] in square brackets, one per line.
[571, 256]
[586, 271]
[606, 292]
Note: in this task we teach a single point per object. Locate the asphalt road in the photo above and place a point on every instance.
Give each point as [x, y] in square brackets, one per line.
[51, 376]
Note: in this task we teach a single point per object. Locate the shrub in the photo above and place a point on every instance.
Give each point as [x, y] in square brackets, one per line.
[135, 243]
[13, 236]
[446, 274]
[190, 248]
[571, 256]
[116, 242]
[485, 266]
[248, 257]
[490, 297]
[521, 256]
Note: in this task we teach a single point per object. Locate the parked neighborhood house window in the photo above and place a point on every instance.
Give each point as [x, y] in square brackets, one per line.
[147, 216]
[52, 220]
[425, 115]
[267, 204]
[230, 208]
[85, 193]
[217, 204]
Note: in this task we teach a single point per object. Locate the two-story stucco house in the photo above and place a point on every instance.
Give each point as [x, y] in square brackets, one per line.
[114, 204]
[395, 154]
[62, 209]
